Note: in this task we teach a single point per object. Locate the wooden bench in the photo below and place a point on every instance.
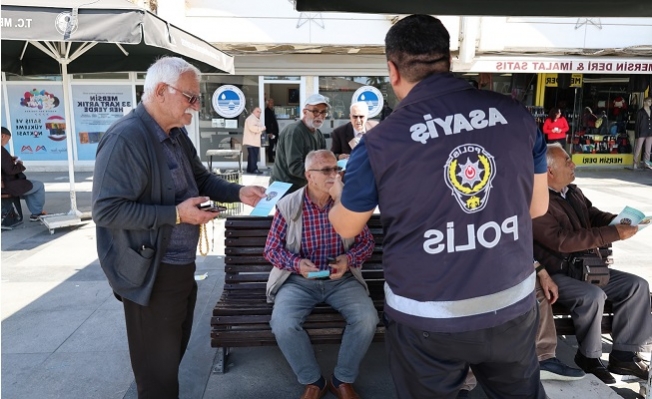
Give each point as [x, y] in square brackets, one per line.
[241, 317]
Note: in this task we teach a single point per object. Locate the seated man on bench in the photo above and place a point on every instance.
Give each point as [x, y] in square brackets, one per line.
[573, 225]
[302, 241]
[16, 184]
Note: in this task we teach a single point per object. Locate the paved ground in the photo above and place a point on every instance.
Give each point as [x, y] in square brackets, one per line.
[63, 332]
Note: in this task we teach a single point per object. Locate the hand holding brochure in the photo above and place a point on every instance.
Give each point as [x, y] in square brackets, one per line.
[274, 193]
[633, 217]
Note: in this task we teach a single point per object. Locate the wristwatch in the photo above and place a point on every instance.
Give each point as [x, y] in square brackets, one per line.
[176, 208]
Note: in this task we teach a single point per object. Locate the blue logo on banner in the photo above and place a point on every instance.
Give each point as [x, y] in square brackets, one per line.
[372, 97]
[228, 101]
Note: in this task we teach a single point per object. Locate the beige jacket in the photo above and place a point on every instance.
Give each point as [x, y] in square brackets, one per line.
[253, 127]
[291, 208]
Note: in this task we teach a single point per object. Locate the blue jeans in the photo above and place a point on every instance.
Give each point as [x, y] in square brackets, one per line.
[35, 198]
[295, 300]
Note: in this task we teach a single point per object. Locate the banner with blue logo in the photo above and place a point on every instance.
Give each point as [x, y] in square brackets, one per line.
[372, 97]
[95, 108]
[228, 101]
[38, 124]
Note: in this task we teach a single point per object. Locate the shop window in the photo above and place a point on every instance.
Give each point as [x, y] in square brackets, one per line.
[48, 78]
[102, 75]
[215, 130]
[340, 91]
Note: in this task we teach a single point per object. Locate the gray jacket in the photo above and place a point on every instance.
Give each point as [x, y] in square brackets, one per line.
[291, 208]
[134, 203]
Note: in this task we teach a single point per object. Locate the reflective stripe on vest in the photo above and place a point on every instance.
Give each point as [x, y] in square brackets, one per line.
[463, 307]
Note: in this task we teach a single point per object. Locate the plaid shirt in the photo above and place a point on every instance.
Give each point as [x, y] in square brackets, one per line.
[318, 241]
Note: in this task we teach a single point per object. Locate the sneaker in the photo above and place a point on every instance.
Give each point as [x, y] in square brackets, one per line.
[594, 366]
[554, 369]
[648, 164]
[35, 217]
[635, 166]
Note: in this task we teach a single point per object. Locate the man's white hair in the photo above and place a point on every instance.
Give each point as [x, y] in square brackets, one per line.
[167, 70]
[314, 155]
[362, 105]
[550, 156]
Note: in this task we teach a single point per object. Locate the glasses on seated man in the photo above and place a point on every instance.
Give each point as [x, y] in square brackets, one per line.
[328, 171]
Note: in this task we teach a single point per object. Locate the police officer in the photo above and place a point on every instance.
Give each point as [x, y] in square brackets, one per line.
[457, 173]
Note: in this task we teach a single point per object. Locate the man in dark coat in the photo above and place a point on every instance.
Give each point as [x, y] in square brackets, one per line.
[15, 183]
[147, 186]
[347, 136]
[573, 225]
[271, 127]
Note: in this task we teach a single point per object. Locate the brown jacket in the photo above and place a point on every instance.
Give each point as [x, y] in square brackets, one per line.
[565, 229]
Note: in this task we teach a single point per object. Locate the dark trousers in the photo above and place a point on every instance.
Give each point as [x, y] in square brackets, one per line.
[269, 150]
[434, 365]
[158, 334]
[252, 159]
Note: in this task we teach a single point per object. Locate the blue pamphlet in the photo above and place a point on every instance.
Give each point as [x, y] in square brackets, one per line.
[633, 217]
[321, 273]
[342, 163]
[273, 193]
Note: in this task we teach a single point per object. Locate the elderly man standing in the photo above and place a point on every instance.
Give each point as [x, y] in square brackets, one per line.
[297, 140]
[147, 184]
[573, 225]
[253, 127]
[347, 136]
[302, 241]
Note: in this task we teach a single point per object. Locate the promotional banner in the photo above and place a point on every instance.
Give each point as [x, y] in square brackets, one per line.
[38, 124]
[95, 108]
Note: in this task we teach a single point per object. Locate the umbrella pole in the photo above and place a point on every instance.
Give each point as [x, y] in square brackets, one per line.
[69, 137]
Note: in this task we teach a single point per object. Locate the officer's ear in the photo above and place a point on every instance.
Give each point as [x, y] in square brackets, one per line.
[394, 74]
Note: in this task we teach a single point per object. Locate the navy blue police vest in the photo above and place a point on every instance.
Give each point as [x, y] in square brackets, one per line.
[454, 170]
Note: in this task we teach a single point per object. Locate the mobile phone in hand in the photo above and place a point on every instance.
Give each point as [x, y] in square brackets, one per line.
[330, 260]
[211, 206]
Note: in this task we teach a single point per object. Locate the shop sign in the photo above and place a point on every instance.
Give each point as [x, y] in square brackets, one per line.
[95, 108]
[602, 160]
[372, 97]
[228, 101]
[576, 80]
[550, 80]
[559, 65]
[38, 124]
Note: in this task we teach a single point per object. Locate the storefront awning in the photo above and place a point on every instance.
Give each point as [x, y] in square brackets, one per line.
[531, 8]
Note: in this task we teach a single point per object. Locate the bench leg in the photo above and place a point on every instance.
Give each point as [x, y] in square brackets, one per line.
[219, 365]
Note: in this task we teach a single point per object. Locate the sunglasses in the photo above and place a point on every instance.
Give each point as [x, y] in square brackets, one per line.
[358, 116]
[327, 171]
[192, 98]
[316, 112]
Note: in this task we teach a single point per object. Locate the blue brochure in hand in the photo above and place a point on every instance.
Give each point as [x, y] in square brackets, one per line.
[273, 193]
[321, 273]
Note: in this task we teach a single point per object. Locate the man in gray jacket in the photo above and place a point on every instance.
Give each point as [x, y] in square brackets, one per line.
[147, 184]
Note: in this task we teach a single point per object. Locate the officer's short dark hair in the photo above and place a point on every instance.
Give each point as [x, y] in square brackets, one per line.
[6, 131]
[419, 46]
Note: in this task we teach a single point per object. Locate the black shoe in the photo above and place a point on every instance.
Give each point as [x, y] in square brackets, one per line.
[635, 366]
[554, 369]
[462, 394]
[594, 366]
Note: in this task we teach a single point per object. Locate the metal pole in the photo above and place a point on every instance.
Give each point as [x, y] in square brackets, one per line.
[69, 136]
